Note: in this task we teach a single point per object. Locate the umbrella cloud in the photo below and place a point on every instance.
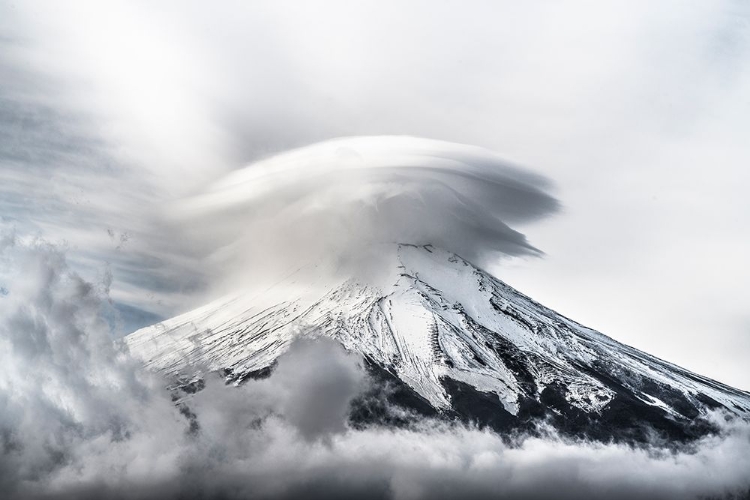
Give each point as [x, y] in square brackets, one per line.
[340, 197]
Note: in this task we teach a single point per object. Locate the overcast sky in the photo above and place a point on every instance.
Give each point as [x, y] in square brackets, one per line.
[638, 113]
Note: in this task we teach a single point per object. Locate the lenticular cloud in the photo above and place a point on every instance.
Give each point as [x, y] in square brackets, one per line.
[343, 195]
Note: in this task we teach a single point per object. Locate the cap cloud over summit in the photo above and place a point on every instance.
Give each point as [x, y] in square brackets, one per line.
[339, 198]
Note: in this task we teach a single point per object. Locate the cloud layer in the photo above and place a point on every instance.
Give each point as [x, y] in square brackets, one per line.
[80, 419]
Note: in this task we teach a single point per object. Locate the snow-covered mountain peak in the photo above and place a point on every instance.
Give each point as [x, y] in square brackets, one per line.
[437, 323]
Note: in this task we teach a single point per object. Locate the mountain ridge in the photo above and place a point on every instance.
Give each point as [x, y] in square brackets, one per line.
[457, 337]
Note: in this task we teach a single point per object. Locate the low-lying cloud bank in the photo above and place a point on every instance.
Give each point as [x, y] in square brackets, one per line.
[80, 419]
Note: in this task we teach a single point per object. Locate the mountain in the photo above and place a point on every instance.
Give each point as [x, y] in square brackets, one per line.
[446, 339]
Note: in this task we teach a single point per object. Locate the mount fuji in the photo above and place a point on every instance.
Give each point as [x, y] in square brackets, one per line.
[443, 338]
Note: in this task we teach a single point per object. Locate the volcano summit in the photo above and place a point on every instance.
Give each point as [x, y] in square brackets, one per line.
[448, 339]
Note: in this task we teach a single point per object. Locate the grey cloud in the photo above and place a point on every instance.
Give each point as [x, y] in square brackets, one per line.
[63, 383]
[59, 178]
[311, 389]
[64, 176]
[318, 382]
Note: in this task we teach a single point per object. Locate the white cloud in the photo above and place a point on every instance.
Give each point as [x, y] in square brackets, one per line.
[341, 200]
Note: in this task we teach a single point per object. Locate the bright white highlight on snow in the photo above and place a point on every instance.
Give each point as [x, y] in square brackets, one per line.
[429, 315]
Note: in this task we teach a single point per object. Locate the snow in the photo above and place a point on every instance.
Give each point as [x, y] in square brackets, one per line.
[439, 317]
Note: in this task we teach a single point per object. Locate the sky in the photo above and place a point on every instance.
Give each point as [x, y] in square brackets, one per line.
[634, 115]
